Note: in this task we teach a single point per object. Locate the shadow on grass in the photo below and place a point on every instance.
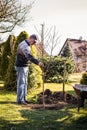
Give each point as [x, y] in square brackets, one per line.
[79, 124]
[45, 120]
[7, 102]
[6, 125]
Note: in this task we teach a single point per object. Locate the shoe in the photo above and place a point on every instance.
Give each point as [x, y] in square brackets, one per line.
[28, 102]
[22, 103]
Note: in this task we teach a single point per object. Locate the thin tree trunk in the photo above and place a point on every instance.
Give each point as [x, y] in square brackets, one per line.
[64, 78]
[42, 42]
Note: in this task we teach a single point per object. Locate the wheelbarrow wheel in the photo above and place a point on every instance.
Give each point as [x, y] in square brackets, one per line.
[80, 103]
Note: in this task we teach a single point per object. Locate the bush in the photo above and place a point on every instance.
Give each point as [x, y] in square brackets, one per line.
[35, 73]
[84, 79]
[10, 78]
[35, 76]
[54, 69]
[5, 58]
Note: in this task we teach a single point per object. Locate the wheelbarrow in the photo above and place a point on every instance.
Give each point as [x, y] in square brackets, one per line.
[81, 91]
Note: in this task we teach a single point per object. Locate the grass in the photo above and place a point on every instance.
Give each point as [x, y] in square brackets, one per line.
[16, 117]
[75, 78]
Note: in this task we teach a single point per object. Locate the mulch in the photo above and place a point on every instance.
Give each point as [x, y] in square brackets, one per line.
[57, 106]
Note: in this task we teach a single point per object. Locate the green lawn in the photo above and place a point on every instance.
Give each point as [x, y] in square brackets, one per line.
[16, 117]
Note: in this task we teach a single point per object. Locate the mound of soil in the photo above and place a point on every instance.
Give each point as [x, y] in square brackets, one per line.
[56, 97]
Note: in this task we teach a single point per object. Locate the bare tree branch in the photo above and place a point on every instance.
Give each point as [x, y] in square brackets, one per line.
[13, 13]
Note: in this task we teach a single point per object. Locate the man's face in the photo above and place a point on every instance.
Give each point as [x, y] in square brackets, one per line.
[32, 41]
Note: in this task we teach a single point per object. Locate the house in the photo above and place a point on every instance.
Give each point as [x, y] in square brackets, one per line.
[78, 49]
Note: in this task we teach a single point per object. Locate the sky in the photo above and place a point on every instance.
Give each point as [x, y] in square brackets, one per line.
[69, 17]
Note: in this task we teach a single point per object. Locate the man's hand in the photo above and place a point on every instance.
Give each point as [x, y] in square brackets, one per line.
[41, 65]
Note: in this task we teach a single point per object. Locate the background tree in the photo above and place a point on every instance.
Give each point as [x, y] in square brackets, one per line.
[67, 52]
[12, 13]
[1, 52]
[5, 57]
[50, 39]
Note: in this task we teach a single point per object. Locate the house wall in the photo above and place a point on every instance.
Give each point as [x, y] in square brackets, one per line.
[79, 51]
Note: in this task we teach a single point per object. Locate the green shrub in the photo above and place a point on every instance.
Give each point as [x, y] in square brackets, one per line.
[35, 76]
[5, 58]
[84, 79]
[10, 78]
[35, 73]
[54, 69]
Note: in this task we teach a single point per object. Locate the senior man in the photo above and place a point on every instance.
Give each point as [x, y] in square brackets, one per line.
[23, 58]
